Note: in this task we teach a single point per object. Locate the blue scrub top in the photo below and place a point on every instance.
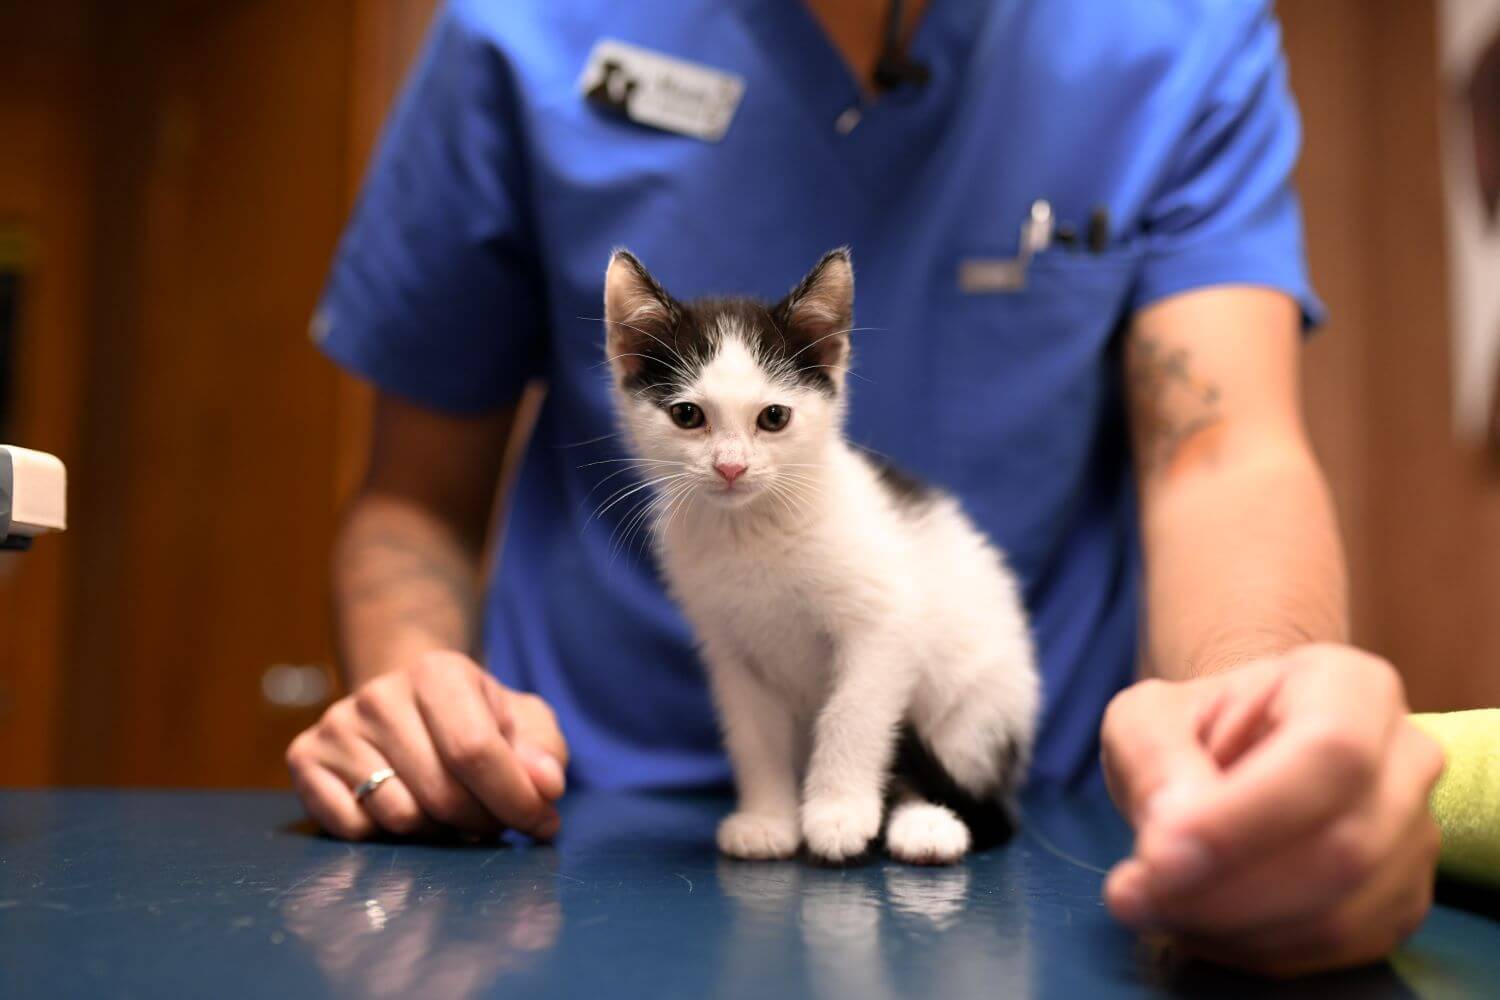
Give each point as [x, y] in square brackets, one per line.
[475, 262]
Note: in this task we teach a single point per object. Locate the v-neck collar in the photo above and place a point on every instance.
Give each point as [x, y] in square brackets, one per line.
[882, 139]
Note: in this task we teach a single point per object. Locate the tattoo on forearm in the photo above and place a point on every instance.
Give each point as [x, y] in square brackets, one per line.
[1168, 403]
[414, 581]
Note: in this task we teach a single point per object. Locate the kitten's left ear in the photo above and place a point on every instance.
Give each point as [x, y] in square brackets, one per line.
[821, 307]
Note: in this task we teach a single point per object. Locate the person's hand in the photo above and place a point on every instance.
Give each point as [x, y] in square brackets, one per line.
[1280, 811]
[469, 755]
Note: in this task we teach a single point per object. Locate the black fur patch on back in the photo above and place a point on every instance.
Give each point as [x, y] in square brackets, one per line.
[909, 492]
[990, 815]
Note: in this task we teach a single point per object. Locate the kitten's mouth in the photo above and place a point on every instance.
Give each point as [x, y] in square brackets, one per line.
[733, 493]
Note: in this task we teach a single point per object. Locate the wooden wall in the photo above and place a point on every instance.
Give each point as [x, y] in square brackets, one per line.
[186, 166]
[1421, 512]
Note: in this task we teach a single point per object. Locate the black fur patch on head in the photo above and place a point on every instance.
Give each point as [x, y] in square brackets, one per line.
[663, 344]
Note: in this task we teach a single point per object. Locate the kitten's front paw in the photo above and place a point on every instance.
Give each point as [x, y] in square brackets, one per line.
[837, 829]
[758, 837]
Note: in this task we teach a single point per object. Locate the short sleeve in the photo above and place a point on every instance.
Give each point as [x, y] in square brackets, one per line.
[434, 290]
[1227, 212]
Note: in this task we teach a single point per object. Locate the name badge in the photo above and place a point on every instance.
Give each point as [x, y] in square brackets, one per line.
[659, 91]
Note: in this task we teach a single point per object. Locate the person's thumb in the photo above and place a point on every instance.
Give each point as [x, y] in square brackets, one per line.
[544, 769]
[1153, 748]
[534, 734]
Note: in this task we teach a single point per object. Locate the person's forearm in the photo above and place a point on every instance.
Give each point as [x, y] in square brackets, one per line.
[404, 584]
[1243, 560]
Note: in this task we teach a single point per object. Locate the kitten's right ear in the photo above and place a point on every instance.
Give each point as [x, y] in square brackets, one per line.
[637, 312]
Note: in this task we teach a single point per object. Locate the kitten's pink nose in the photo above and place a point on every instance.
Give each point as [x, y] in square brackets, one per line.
[730, 471]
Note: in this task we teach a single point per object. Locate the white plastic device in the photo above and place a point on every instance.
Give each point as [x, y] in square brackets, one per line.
[33, 493]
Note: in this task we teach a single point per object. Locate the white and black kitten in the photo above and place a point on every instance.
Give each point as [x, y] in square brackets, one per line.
[865, 644]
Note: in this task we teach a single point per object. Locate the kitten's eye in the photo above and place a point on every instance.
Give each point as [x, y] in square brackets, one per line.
[686, 415]
[773, 418]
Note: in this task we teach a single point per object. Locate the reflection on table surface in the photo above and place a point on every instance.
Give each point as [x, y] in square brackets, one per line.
[163, 893]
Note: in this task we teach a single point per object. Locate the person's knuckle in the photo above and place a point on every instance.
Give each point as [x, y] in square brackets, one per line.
[1122, 714]
[503, 709]
[470, 751]
[539, 710]
[1348, 861]
[1115, 713]
[340, 716]
[1151, 689]
[1378, 678]
[298, 752]
[1391, 684]
[432, 671]
[1342, 755]
[372, 703]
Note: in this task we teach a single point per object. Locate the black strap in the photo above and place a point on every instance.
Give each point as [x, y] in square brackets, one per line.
[894, 69]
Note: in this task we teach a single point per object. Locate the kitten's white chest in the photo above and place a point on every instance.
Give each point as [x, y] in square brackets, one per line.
[761, 602]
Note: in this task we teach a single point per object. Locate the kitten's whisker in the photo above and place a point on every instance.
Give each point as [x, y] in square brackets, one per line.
[644, 390]
[771, 322]
[684, 496]
[674, 369]
[830, 336]
[645, 333]
[627, 491]
[641, 515]
[662, 516]
[618, 491]
[799, 493]
[775, 492]
[601, 437]
[638, 511]
[838, 368]
[805, 485]
[621, 535]
[681, 368]
[621, 531]
[612, 475]
[654, 461]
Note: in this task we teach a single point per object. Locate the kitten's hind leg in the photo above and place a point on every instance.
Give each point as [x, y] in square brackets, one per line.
[974, 771]
[923, 833]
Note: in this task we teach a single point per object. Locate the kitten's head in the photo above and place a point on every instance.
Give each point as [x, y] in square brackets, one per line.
[736, 396]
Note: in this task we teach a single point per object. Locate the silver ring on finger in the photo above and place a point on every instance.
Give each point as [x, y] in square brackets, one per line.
[375, 780]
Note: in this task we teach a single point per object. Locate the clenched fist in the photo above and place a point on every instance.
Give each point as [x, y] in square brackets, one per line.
[469, 756]
[1280, 811]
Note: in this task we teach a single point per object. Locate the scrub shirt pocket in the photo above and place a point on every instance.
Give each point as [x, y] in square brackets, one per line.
[1033, 386]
